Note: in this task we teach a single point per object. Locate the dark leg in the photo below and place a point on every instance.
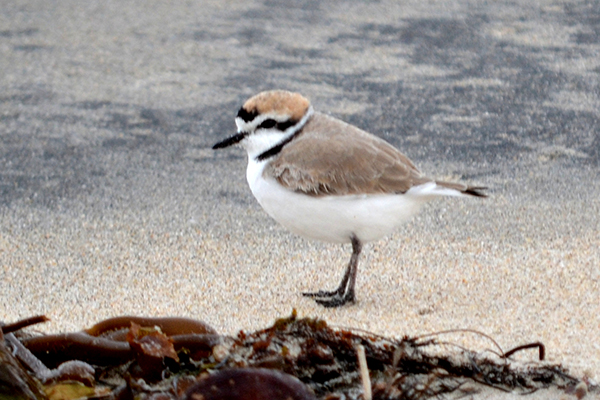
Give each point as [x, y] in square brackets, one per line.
[337, 292]
[345, 291]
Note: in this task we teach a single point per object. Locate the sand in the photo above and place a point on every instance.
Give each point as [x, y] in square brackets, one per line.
[112, 202]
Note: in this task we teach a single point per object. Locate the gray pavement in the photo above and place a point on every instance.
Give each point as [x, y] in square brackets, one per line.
[112, 202]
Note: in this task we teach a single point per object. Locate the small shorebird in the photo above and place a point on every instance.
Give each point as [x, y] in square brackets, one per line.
[327, 180]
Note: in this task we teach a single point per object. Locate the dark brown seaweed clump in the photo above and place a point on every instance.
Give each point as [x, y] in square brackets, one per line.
[173, 358]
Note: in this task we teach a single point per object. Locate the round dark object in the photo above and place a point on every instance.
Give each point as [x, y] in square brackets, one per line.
[249, 384]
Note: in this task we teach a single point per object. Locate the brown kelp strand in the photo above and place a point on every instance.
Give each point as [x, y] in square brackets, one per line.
[168, 325]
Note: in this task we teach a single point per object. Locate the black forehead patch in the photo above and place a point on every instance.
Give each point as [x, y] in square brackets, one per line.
[246, 115]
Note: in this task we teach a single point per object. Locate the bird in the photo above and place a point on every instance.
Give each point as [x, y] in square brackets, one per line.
[324, 179]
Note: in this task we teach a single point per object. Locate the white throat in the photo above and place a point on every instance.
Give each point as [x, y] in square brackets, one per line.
[258, 143]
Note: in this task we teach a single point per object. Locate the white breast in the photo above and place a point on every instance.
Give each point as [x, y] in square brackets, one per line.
[331, 218]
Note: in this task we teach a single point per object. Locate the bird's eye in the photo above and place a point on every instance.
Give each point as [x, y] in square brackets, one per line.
[267, 124]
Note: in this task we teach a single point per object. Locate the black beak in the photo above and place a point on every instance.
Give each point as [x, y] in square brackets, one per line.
[230, 141]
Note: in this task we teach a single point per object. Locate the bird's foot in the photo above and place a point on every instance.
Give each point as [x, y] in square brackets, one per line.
[332, 299]
[336, 301]
[324, 293]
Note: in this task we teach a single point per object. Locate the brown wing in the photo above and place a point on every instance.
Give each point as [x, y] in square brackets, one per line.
[331, 157]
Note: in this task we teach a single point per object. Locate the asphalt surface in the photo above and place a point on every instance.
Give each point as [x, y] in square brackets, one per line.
[112, 202]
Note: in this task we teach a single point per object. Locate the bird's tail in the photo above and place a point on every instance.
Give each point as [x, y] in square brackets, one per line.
[441, 188]
[461, 188]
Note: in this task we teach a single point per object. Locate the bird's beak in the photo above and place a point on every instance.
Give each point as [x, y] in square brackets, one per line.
[230, 141]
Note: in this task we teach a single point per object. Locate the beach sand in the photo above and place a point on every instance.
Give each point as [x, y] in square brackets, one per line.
[112, 202]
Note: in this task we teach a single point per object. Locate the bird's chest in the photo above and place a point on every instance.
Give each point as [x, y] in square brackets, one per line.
[274, 198]
[256, 181]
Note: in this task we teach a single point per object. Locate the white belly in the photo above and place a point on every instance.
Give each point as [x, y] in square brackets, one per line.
[331, 218]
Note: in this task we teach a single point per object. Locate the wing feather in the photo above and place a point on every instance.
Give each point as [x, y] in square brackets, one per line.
[331, 157]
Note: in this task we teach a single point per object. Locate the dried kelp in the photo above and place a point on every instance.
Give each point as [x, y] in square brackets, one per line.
[149, 362]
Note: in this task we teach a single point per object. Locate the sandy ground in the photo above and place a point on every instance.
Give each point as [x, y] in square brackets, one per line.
[112, 202]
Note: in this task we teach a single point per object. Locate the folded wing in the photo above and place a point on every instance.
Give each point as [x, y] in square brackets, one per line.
[331, 157]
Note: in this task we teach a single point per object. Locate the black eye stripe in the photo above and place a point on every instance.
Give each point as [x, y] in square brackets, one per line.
[271, 123]
[267, 124]
[282, 126]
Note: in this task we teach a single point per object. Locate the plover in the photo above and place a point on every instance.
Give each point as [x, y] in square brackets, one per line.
[324, 179]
